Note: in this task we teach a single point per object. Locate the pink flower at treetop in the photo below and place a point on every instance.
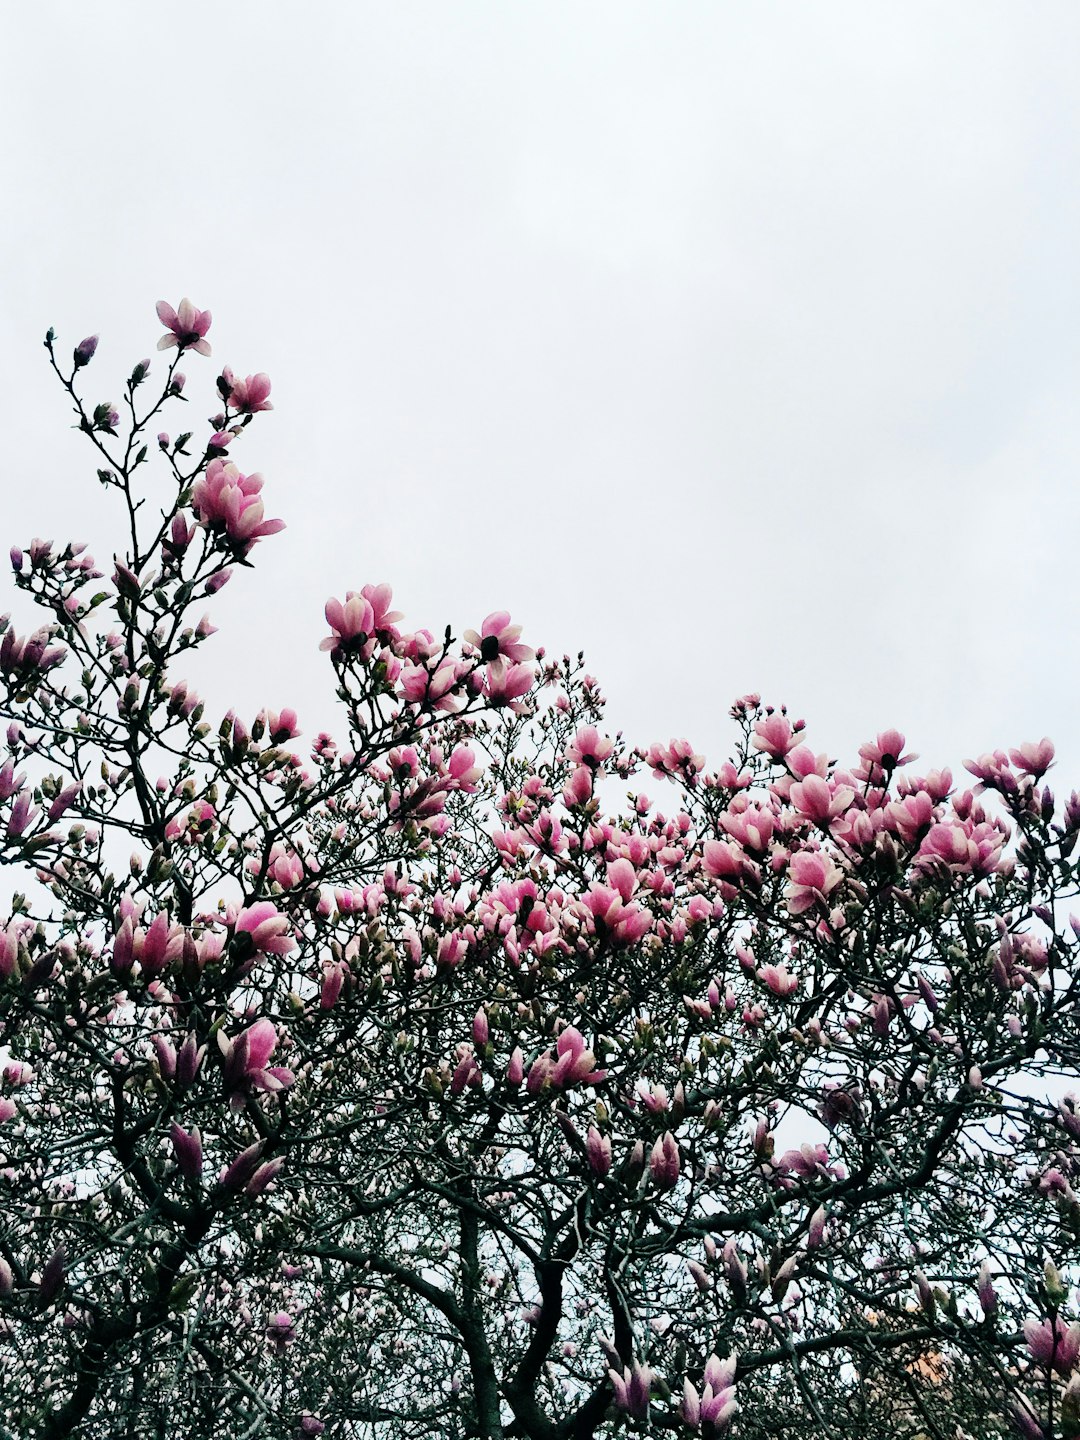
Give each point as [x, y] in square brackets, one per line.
[359, 617]
[774, 735]
[351, 620]
[887, 751]
[589, 747]
[227, 502]
[498, 638]
[186, 326]
[247, 396]
[1034, 757]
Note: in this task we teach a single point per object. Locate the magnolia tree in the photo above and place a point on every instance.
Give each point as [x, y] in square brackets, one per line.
[390, 1086]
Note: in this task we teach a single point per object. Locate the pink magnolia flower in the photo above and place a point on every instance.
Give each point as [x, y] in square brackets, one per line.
[624, 922]
[1023, 1418]
[498, 639]
[992, 768]
[166, 1054]
[189, 1059]
[332, 983]
[752, 827]
[808, 1162]
[155, 948]
[280, 725]
[886, 752]
[1034, 757]
[228, 503]
[987, 1294]
[1068, 1108]
[816, 1230]
[186, 326]
[717, 1405]
[436, 689]
[964, 847]
[506, 684]
[245, 1059]
[664, 1161]
[802, 762]
[678, 758]
[85, 350]
[589, 747]
[575, 1065]
[539, 1077]
[187, 1146]
[281, 1331]
[10, 783]
[283, 866]
[774, 735]
[30, 655]
[911, 817]
[270, 932]
[779, 980]
[653, 1097]
[621, 876]
[352, 620]
[452, 949]
[1052, 1345]
[466, 1071]
[217, 582]
[463, 769]
[724, 861]
[236, 1175]
[52, 1276]
[247, 396]
[818, 800]
[579, 788]
[23, 813]
[192, 824]
[701, 1277]
[812, 878]
[632, 1389]
[598, 1151]
[380, 597]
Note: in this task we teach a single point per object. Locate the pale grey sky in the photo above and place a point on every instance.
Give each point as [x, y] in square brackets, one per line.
[736, 344]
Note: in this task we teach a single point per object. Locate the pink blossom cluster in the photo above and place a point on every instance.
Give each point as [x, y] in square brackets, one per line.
[229, 504]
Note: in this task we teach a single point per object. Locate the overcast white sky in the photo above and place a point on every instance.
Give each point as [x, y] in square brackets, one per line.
[736, 344]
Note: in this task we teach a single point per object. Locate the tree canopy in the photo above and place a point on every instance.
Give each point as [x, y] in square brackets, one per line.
[474, 1072]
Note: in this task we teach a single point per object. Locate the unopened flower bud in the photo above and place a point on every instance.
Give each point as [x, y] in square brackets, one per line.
[84, 351]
